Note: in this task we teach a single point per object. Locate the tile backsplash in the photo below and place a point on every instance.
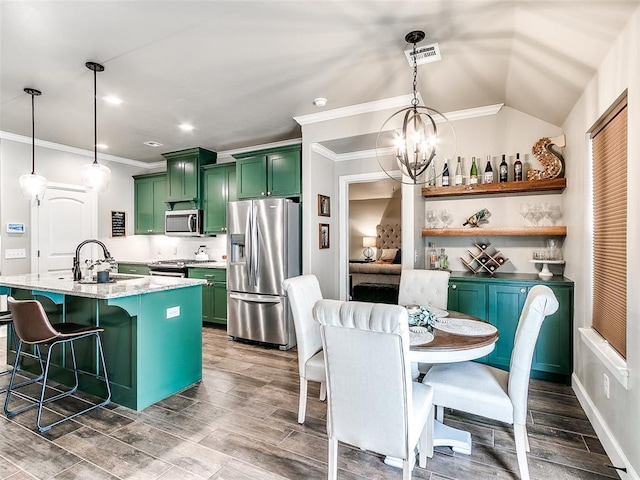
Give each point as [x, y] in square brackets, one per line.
[160, 247]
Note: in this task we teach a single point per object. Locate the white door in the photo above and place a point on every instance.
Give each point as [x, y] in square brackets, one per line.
[64, 218]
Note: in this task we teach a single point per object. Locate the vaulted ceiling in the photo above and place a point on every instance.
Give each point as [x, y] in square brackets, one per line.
[239, 71]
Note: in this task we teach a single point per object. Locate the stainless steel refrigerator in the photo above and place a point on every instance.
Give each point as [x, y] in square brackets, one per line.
[263, 240]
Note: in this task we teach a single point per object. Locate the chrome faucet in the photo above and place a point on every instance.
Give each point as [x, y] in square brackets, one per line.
[77, 273]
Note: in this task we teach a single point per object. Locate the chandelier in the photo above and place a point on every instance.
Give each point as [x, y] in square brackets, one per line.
[426, 134]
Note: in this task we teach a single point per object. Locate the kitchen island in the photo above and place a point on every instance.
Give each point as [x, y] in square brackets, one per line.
[152, 332]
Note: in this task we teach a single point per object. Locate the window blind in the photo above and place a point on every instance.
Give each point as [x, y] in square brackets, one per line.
[609, 150]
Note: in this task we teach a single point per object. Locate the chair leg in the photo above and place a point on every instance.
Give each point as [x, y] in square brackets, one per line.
[440, 413]
[520, 434]
[407, 467]
[302, 404]
[332, 473]
[526, 439]
[426, 440]
[26, 382]
[323, 391]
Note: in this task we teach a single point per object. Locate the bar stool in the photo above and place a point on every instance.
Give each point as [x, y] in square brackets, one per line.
[7, 320]
[33, 328]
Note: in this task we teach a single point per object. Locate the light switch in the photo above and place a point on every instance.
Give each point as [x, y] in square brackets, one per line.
[15, 253]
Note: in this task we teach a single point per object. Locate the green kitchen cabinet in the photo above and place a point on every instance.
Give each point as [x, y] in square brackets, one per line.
[133, 268]
[214, 293]
[184, 176]
[266, 173]
[149, 203]
[499, 299]
[219, 188]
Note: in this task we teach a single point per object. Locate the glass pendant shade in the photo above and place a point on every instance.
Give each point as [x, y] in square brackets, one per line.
[33, 186]
[95, 177]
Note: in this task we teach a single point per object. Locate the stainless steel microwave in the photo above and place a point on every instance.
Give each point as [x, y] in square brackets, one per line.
[183, 223]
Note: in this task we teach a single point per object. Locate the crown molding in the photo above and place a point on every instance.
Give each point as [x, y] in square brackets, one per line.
[375, 106]
[79, 151]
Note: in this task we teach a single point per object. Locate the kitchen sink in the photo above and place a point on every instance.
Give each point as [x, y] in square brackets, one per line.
[113, 278]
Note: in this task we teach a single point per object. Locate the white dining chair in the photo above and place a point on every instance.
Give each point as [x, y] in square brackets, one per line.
[493, 393]
[424, 287]
[373, 403]
[303, 291]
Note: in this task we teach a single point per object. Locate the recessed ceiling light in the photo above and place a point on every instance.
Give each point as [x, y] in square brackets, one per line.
[151, 143]
[113, 100]
[185, 127]
[102, 146]
[320, 102]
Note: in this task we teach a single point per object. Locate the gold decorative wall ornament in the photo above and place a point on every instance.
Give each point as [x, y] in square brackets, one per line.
[551, 160]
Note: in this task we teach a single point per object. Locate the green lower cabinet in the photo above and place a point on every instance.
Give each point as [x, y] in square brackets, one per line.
[214, 294]
[133, 268]
[500, 299]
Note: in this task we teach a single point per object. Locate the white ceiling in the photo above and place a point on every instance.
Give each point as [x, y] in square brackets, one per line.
[239, 71]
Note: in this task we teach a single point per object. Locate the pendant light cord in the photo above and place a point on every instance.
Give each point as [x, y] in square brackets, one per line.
[33, 135]
[95, 117]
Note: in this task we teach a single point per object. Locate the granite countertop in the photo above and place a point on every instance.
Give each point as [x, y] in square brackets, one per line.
[211, 264]
[124, 286]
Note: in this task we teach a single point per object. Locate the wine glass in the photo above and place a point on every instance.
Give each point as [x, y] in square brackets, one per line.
[545, 211]
[431, 218]
[555, 214]
[445, 216]
[524, 211]
[535, 212]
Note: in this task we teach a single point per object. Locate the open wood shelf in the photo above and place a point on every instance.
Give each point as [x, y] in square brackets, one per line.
[559, 231]
[529, 187]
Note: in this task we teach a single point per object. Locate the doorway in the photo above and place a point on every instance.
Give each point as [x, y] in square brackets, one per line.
[60, 221]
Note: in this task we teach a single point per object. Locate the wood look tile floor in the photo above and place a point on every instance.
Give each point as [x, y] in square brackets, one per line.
[240, 422]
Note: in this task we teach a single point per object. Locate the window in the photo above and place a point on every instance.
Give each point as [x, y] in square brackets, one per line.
[609, 147]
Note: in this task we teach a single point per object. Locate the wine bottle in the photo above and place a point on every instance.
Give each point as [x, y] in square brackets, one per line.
[432, 174]
[488, 171]
[444, 260]
[473, 175]
[445, 173]
[433, 256]
[517, 169]
[504, 170]
[458, 177]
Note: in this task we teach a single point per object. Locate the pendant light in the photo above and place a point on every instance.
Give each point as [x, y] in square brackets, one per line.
[426, 134]
[33, 186]
[95, 177]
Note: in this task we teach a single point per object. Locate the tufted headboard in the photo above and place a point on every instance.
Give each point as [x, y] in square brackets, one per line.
[388, 236]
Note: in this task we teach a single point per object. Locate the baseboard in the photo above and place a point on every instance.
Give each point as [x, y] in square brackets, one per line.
[609, 442]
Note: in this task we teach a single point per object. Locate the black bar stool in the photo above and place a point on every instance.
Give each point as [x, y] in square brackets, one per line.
[7, 320]
[32, 327]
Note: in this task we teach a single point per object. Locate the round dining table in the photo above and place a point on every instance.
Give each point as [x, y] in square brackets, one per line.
[446, 347]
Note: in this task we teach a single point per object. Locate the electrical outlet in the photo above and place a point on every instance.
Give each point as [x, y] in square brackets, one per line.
[605, 385]
[173, 312]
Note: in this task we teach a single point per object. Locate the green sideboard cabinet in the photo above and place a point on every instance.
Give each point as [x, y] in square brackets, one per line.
[273, 172]
[500, 299]
[149, 203]
[184, 176]
[218, 188]
[214, 293]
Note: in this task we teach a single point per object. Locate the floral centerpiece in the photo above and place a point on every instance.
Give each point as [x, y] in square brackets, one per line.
[421, 316]
[102, 268]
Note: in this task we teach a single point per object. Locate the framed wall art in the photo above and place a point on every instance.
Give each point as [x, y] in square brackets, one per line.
[323, 235]
[324, 206]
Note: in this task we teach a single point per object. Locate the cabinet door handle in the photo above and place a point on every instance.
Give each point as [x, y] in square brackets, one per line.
[268, 194]
[262, 193]
[523, 290]
[453, 287]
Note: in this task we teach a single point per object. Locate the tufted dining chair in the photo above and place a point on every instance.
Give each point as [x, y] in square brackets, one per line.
[303, 291]
[373, 404]
[424, 287]
[493, 393]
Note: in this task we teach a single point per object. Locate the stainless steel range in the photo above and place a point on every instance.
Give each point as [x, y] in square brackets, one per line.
[173, 268]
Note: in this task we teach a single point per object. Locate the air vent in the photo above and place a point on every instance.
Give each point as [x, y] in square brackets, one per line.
[425, 54]
[151, 143]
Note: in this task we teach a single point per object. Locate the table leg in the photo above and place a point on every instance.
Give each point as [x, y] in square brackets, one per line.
[443, 436]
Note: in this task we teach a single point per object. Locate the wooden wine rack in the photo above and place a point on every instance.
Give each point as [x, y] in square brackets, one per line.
[485, 259]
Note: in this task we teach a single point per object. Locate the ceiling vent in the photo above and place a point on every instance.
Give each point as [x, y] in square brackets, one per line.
[426, 54]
